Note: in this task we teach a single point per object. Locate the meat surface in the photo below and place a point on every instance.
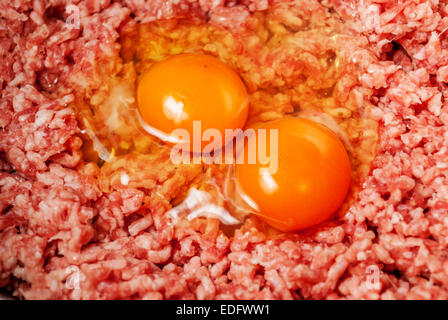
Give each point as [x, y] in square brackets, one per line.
[66, 235]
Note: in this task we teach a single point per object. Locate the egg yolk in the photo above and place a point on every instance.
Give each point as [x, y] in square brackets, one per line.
[182, 90]
[310, 182]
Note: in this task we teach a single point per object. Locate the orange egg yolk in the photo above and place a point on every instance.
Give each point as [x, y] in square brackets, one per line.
[311, 180]
[182, 90]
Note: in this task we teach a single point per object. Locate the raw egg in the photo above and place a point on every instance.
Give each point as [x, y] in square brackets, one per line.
[310, 180]
[195, 92]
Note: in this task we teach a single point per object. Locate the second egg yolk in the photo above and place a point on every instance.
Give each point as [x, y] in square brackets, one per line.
[192, 88]
[310, 181]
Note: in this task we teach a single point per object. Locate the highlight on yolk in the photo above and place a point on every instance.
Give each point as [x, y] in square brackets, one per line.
[312, 177]
[184, 88]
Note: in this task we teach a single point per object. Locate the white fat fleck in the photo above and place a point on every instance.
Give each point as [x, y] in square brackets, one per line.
[197, 204]
[441, 165]
[43, 116]
[174, 214]
[361, 256]
[24, 117]
[124, 179]
[396, 218]
[120, 98]
[420, 55]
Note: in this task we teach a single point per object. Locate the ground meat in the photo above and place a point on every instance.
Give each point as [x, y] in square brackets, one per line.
[66, 235]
